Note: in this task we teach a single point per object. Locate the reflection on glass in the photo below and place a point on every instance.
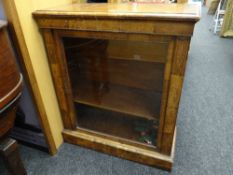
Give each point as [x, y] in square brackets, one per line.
[117, 86]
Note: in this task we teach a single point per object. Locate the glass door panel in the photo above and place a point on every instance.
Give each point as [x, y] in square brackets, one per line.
[117, 86]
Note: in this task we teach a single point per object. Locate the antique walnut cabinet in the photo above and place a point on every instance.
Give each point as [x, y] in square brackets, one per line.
[118, 71]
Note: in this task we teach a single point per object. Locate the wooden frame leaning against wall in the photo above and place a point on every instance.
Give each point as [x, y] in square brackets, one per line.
[28, 71]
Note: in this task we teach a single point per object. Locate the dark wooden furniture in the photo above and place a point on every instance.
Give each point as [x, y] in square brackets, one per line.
[10, 91]
[118, 71]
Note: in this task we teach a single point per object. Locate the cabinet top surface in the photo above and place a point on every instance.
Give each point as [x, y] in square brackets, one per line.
[190, 12]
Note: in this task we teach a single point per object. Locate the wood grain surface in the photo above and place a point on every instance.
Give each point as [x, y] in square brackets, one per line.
[10, 79]
[126, 11]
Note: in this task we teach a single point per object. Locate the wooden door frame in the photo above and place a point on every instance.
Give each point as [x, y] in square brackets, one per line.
[54, 37]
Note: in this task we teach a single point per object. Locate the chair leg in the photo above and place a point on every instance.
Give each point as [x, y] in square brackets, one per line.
[10, 153]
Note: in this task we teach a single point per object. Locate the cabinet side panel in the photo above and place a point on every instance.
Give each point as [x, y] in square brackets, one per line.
[175, 89]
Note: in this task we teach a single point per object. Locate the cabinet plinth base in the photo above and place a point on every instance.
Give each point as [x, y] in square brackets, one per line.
[122, 150]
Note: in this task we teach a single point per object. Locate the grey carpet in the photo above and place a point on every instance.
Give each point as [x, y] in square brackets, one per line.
[205, 124]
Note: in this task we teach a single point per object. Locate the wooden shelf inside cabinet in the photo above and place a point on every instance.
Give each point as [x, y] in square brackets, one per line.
[115, 124]
[131, 73]
[126, 86]
[122, 99]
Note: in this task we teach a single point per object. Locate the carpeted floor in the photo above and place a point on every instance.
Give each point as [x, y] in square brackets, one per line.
[205, 124]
